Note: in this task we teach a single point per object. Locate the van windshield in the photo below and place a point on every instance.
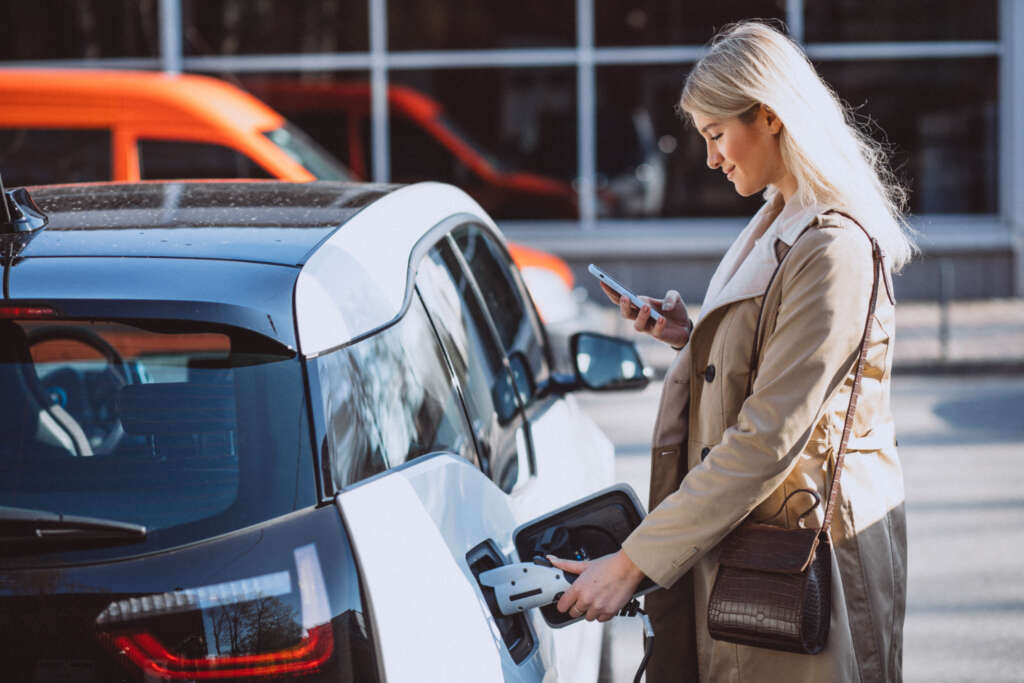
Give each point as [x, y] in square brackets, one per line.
[304, 150]
[190, 431]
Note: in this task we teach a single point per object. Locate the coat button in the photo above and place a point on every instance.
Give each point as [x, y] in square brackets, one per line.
[709, 373]
[704, 452]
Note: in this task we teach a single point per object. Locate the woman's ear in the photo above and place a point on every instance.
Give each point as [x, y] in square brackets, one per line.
[771, 119]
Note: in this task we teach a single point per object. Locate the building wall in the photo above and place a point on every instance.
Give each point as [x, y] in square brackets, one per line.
[559, 115]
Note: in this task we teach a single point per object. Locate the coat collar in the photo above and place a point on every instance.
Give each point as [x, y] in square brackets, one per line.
[748, 264]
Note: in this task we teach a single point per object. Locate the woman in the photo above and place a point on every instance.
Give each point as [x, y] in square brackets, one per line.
[721, 456]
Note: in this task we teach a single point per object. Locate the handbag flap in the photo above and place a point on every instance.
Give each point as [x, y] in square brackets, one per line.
[764, 547]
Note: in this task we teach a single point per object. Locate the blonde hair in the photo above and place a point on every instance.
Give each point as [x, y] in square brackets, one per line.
[834, 162]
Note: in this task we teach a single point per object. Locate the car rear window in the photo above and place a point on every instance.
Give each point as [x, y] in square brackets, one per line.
[187, 430]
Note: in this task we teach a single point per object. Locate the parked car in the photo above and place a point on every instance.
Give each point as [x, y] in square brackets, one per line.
[68, 126]
[259, 430]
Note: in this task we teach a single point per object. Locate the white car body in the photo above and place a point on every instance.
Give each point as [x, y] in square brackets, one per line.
[412, 527]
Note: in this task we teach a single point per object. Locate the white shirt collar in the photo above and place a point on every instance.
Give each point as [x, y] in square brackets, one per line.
[795, 216]
[748, 264]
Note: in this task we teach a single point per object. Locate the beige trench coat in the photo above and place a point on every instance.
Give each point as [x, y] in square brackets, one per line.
[719, 456]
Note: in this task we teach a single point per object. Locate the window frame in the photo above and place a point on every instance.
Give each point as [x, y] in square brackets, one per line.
[521, 421]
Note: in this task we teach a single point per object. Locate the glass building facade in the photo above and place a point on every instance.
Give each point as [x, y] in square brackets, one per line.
[559, 115]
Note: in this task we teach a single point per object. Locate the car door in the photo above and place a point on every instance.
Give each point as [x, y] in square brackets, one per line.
[571, 457]
[426, 523]
[420, 510]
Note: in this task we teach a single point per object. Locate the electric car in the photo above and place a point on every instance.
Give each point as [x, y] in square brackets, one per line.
[263, 430]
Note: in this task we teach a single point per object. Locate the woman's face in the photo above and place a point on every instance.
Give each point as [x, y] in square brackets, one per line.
[747, 153]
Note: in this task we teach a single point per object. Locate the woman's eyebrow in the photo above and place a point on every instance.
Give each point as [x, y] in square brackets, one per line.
[705, 128]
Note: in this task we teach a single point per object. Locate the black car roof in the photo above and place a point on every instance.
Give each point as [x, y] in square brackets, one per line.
[267, 222]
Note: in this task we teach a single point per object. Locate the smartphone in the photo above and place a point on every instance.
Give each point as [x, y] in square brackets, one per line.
[614, 284]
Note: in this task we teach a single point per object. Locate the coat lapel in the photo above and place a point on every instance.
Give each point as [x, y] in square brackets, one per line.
[734, 282]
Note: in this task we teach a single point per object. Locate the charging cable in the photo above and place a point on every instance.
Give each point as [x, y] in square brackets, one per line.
[632, 609]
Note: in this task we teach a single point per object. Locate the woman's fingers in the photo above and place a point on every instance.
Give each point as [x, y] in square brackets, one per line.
[612, 295]
[642, 318]
[571, 566]
[603, 587]
[672, 301]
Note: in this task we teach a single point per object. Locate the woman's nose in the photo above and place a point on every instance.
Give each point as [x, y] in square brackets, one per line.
[714, 158]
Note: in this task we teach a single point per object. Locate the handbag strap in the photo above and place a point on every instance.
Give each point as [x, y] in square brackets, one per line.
[876, 263]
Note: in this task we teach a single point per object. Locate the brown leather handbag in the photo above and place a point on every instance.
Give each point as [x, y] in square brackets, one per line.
[774, 585]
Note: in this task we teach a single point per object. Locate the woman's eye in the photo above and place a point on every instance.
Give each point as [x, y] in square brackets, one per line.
[714, 138]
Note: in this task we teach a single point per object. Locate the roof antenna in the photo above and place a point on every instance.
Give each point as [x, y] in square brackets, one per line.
[22, 221]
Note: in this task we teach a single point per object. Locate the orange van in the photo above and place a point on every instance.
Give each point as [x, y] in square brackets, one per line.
[124, 125]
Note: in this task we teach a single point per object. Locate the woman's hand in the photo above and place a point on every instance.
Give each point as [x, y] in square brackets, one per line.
[675, 325]
[604, 586]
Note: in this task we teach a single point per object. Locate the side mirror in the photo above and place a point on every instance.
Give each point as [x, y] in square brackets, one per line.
[606, 363]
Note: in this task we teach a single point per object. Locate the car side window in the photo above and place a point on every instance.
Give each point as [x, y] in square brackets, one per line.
[40, 156]
[177, 159]
[505, 298]
[487, 385]
[388, 399]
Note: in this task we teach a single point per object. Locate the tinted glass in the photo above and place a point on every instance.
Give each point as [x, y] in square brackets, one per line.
[871, 20]
[940, 117]
[650, 161]
[672, 22]
[191, 432]
[83, 29]
[177, 159]
[332, 108]
[306, 152]
[39, 156]
[504, 296]
[506, 136]
[418, 155]
[476, 359]
[226, 27]
[454, 25]
[389, 399]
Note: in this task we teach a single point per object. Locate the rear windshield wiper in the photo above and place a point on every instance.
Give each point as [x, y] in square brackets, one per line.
[27, 525]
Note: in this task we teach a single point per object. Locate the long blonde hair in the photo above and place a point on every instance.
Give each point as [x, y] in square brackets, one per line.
[834, 162]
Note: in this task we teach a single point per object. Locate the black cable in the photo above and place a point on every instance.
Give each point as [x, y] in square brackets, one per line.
[643, 662]
[632, 609]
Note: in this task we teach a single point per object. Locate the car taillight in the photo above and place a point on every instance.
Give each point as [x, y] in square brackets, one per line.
[27, 312]
[132, 627]
[150, 655]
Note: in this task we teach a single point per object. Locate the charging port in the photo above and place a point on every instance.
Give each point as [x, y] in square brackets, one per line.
[515, 630]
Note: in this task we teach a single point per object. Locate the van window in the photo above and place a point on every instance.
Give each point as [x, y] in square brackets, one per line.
[178, 159]
[40, 156]
[307, 153]
[415, 156]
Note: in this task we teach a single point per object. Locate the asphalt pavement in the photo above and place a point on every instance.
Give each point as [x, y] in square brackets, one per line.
[961, 441]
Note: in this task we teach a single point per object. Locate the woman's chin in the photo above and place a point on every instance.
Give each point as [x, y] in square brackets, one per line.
[745, 190]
